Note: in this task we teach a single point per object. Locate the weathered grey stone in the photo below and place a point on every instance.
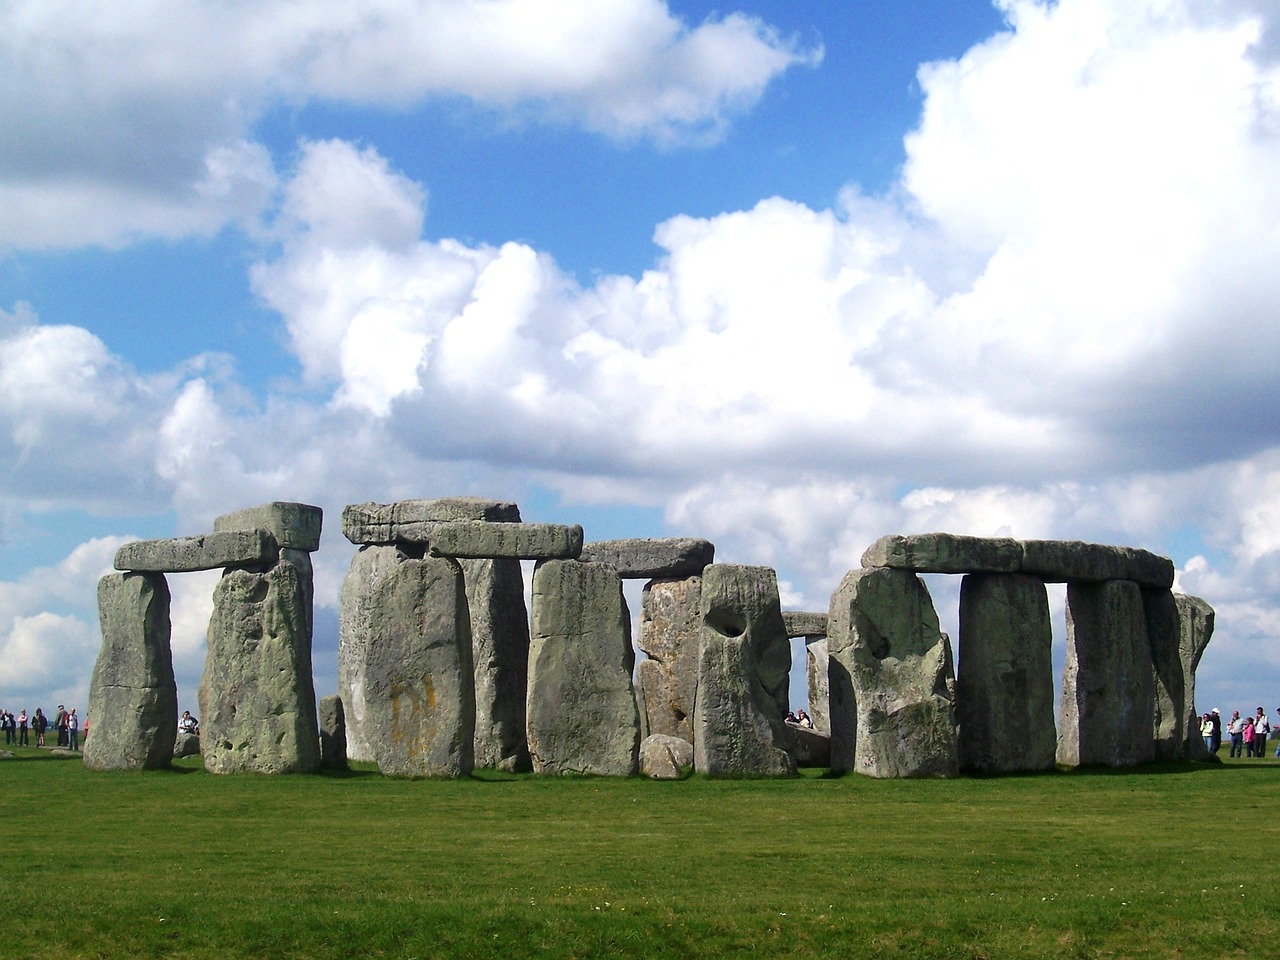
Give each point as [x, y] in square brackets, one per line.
[645, 559]
[476, 539]
[582, 714]
[419, 696]
[294, 525]
[892, 680]
[132, 697]
[333, 734]
[664, 757]
[670, 631]
[212, 551]
[257, 701]
[500, 655]
[1164, 633]
[378, 522]
[811, 748]
[1195, 620]
[1108, 690]
[1004, 691]
[804, 624]
[301, 560]
[945, 553]
[186, 744]
[744, 658]
[1070, 561]
[368, 568]
[818, 658]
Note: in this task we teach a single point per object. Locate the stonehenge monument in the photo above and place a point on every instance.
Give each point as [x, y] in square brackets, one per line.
[443, 667]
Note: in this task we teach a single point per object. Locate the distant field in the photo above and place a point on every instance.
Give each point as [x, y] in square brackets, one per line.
[1173, 861]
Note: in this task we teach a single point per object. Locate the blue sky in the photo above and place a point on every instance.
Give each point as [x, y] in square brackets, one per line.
[786, 276]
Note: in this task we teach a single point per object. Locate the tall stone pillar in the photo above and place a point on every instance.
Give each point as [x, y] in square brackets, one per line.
[1195, 630]
[818, 660]
[670, 624]
[500, 655]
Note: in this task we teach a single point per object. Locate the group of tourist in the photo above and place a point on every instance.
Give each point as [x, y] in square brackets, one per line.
[800, 719]
[17, 730]
[1248, 735]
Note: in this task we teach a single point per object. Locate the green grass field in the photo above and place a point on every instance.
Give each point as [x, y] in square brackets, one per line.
[1170, 861]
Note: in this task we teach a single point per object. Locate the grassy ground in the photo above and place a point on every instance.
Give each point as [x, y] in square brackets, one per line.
[1171, 861]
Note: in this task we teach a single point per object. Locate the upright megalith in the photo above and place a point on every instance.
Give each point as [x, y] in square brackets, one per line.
[256, 698]
[133, 699]
[818, 662]
[1195, 623]
[500, 656]
[419, 701]
[1164, 633]
[892, 679]
[1108, 690]
[295, 527]
[333, 734]
[582, 715]
[670, 628]
[1004, 687]
[744, 658]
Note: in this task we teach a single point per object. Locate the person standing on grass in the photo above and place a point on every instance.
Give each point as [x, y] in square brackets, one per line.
[60, 724]
[22, 728]
[73, 730]
[1216, 719]
[1261, 728]
[4, 722]
[39, 723]
[1206, 731]
[1235, 727]
[1248, 737]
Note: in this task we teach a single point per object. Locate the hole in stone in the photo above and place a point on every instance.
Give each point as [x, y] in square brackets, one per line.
[727, 622]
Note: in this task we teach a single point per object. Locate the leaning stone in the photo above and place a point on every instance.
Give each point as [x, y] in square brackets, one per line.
[818, 659]
[418, 692]
[804, 624]
[646, 559]
[1108, 691]
[892, 680]
[1071, 561]
[670, 628]
[186, 744]
[500, 657]
[379, 522]
[212, 551]
[1195, 621]
[744, 662]
[132, 697]
[257, 701]
[294, 525]
[945, 553]
[1004, 691]
[333, 734]
[664, 757]
[582, 715]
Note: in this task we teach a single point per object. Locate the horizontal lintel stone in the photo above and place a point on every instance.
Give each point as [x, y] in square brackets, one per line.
[945, 553]
[651, 558]
[212, 551]
[294, 525]
[364, 523]
[801, 623]
[478, 540]
[1066, 561]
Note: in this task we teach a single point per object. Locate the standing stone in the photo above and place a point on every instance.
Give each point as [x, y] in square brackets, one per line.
[818, 658]
[333, 734]
[418, 694]
[582, 715]
[133, 699]
[256, 697]
[1108, 691]
[1004, 691]
[670, 627]
[892, 680]
[1164, 632]
[187, 744]
[665, 758]
[368, 568]
[744, 659]
[500, 654]
[1195, 621]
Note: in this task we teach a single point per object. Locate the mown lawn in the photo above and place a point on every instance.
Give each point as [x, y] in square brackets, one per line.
[1175, 861]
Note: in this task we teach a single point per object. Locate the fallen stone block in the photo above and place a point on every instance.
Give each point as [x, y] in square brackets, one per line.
[647, 559]
[664, 757]
[804, 623]
[1071, 561]
[294, 525]
[945, 553]
[185, 745]
[212, 551]
[811, 748]
[379, 523]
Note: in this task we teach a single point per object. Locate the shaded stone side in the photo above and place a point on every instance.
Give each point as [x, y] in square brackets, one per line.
[651, 558]
[670, 627]
[419, 697]
[744, 658]
[1195, 622]
[1170, 689]
[1070, 561]
[500, 656]
[1108, 690]
[333, 734]
[133, 699]
[212, 551]
[581, 714]
[294, 525]
[1004, 690]
[892, 678]
[818, 660]
[257, 701]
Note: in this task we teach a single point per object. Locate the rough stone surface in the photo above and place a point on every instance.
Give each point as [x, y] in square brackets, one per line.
[818, 658]
[294, 525]
[1195, 620]
[333, 734]
[500, 656]
[645, 559]
[1164, 632]
[892, 679]
[419, 697]
[670, 630]
[212, 551]
[582, 715]
[945, 553]
[1108, 690]
[476, 539]
[1070, 561]
[257, 701]
[744, 659]
[804, 623]
[132, 697]
[368, 568]
[184, 745]
[378, 522]
[1004, 690]
[811, 748]
[664, 757]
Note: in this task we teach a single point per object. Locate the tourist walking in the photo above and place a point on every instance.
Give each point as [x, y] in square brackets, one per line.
[39, 723]
[73, 730]
[1261, 729]
[1235, 727]
[22, 728]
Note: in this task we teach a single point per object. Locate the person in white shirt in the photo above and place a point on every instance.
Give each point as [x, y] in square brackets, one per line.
[1261, 728]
